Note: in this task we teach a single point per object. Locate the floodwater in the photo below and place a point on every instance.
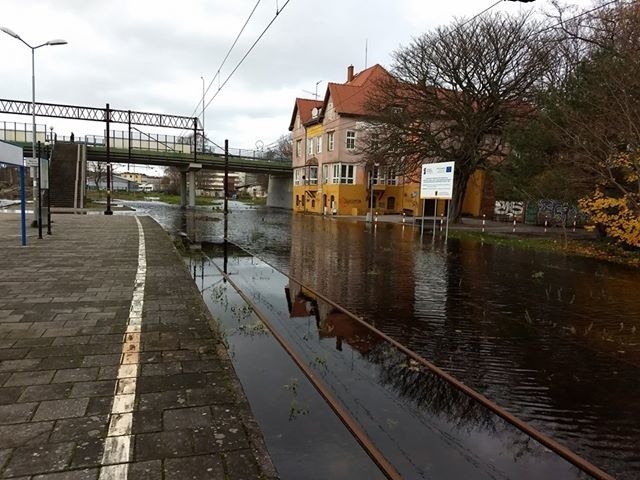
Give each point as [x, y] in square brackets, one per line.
[554, 340]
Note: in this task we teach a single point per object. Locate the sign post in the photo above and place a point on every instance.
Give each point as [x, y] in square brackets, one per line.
[12, 155]
[436, 183]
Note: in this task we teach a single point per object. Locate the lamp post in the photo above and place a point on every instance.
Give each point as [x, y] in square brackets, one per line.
[36, 205]
[373, 168]
[203, 106]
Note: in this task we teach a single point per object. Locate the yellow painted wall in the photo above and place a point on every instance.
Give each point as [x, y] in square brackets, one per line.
[473, 196]
[354, 198]
[311, 204]
[314, 131]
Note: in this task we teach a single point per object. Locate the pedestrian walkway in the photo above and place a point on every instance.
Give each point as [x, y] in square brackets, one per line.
[109, 367]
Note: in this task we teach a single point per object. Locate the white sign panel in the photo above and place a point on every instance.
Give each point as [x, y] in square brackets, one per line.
[437, 180]
[10, 154]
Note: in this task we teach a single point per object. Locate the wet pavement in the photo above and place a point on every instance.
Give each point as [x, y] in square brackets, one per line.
[108, 362]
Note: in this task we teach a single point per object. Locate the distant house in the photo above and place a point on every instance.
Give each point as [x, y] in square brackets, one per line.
[117, 184]
[329, 173]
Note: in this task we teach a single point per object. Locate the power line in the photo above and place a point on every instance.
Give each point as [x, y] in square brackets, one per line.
[479, 14]
[278, 11]
[217, 74]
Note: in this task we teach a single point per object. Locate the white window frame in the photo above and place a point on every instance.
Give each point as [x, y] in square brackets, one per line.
[298, 173]
[309, 146]
[350, 140]
[344, 173]
[313, 175]
[325, 173]
[319, 144]
[298, 147]
[330, 141]
[378, 175]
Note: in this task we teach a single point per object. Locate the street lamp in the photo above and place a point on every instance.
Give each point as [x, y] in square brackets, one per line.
[53, 42]
[373, 168]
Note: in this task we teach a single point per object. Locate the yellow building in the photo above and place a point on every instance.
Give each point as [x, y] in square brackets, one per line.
[330, 176]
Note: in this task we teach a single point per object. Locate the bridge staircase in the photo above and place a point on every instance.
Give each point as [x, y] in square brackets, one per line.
[67, 175]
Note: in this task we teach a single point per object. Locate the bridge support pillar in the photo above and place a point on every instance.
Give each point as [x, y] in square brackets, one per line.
[280, 192]
[191, 176]
[183, 189]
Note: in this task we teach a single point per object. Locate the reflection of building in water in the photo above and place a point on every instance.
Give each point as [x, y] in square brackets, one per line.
[331, 321]
[357, 268]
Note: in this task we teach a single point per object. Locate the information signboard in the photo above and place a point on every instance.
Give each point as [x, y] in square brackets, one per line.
[437, 180]
[10, 154]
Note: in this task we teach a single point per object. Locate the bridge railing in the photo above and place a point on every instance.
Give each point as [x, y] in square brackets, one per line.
[120, 139]
[22, 132]
[142, 141]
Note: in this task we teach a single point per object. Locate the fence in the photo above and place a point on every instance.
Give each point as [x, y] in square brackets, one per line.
[539, 212]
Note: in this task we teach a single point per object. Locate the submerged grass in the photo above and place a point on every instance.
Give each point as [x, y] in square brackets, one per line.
[597, 249]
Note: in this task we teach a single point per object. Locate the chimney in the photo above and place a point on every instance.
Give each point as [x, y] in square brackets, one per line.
[349, 73]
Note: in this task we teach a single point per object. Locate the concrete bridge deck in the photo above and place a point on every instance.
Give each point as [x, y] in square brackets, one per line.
[109, 367]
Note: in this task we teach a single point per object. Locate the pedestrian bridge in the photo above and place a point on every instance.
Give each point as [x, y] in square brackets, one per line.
[164, 151]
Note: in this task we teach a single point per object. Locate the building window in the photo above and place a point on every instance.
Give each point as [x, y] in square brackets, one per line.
[375, 141]
[298, 147]
[378, 176]
[309, 146]
[297, 200]
[351, 140]
[319, 144]
[313, 175]
[298, 176]
[330, 141]
[343, 173]
[325, 173]
[392, 179]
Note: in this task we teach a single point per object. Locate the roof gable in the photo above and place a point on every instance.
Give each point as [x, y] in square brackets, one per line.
[351, 98]
[304, 107]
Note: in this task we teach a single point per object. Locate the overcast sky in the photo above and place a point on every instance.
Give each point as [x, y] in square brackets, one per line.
[149, 55]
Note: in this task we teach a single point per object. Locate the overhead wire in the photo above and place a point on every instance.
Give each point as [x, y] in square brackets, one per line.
[235, 41]
[253, 45]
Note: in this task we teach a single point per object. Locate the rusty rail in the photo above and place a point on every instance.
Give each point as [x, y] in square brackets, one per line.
[553, 445]
[361, 437]
[523, 426]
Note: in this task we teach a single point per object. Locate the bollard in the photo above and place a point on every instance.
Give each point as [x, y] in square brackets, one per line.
[403, 216]
[375, 218]
[441, 220]
[545, 226]
[483, 221]
[574, 224]
[514, 225]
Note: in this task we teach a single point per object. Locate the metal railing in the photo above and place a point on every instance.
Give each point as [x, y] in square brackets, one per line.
[138, 140]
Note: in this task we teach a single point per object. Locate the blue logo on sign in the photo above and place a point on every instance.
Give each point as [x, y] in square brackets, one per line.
[449, 169]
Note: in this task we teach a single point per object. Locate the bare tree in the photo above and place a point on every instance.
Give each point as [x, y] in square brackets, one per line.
[281, 148]
[595, 113]
[171, 180]
[98, 172]
[453, 93]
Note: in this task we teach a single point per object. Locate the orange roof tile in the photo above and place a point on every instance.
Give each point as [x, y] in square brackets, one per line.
[351, 98]
[305, 107]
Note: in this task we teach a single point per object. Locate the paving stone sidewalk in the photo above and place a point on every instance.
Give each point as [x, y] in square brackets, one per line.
[64, 307]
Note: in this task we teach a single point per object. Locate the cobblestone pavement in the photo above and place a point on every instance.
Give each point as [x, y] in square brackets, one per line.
[68, 357]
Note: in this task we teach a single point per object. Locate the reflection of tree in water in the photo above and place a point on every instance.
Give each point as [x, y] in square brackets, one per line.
[433, 395]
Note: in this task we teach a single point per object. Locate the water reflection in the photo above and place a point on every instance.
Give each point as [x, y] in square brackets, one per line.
[554, 340]
[424, 427]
